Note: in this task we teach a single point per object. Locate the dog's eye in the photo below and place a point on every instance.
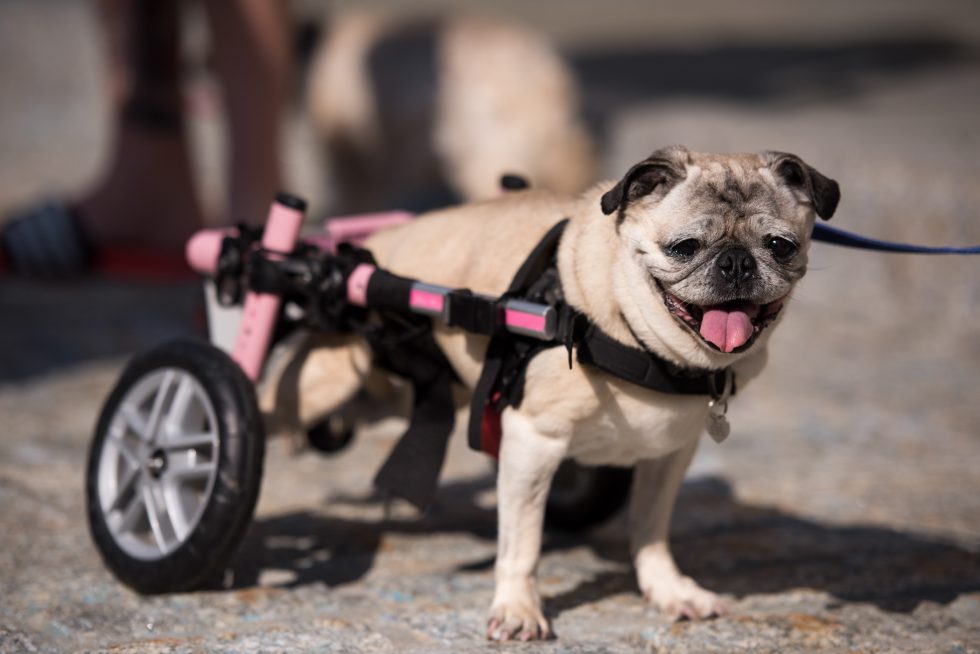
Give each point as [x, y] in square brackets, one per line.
[781, 248]
[684, 249]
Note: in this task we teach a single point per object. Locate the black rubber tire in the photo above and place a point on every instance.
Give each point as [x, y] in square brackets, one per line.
[331, 435]
[584, 496]
[229, 508]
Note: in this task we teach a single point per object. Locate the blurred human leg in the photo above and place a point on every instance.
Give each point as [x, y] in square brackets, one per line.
[147, 195]
[144, 207]
[253, 58]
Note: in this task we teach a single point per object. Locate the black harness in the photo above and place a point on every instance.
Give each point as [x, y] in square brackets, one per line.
[412, 469]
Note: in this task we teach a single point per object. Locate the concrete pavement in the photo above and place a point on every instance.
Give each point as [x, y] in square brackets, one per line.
[843, 514]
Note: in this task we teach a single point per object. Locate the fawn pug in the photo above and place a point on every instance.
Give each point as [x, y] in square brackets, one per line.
[689, 256]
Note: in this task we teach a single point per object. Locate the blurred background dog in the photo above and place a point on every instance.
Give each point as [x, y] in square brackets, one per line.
[415, 113]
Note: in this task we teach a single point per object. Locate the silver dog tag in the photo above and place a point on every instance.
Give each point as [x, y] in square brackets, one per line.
[717, 423]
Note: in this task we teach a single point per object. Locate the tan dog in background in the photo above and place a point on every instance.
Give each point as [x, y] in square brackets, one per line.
[451, 105]
[690, 256]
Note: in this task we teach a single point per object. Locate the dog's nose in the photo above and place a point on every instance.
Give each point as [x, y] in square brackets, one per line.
[736, 265]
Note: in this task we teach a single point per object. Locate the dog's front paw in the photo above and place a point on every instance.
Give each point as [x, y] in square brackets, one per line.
[517, 621]
[681, 598]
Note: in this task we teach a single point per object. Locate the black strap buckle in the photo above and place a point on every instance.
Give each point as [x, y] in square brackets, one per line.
[476, 314]
[230, 279]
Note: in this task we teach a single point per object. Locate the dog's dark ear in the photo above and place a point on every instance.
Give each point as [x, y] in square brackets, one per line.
[657, 173]
[824, 193]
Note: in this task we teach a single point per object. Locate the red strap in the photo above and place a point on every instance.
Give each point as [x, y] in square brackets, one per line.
[490, 432]
[142, 263]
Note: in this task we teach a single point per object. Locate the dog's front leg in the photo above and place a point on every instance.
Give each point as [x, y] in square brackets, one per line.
[528, 460]
[655, 486]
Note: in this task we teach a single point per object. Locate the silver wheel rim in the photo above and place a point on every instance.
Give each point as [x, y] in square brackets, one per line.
[158, 464]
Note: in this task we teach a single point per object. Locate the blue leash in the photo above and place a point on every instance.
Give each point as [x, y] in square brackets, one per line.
[836, 236]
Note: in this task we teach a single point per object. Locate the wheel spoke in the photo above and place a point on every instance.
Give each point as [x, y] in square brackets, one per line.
[160, 402]
[175, 511]
[191, 441]
[123, 489]
[127, 453]
[132, 513]
[176, 419]
[155, 513]
[135, 421]
[181, 469]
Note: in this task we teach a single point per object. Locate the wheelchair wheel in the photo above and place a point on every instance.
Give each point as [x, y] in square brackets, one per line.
[175, 467]
[331, 435]
[584, 496]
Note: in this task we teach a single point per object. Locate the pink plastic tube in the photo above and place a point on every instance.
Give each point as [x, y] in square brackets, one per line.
[204, 248]
[261, 309]
[346, 228]
[355, 229]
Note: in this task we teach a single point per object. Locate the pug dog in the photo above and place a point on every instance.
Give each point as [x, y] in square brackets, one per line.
[690, 256]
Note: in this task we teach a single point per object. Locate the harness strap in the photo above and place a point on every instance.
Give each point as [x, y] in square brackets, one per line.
[643, 368]
[472, 313]
[404, 345]
[412, 469]
[500, 344]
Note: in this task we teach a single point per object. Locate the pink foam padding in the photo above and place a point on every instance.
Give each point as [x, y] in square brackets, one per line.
[354, 229]
[261, 309]
[204, 248]
[357, 284]
[359, 227]
[281, 228]
[524, 320]
[419, 299]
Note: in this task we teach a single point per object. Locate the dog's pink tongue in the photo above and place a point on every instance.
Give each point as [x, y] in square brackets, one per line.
[726, 329]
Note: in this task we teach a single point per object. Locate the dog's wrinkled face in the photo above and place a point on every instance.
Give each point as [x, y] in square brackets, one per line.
[721, 238]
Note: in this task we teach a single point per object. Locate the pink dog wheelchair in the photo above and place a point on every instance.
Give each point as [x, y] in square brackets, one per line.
[176, 461]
